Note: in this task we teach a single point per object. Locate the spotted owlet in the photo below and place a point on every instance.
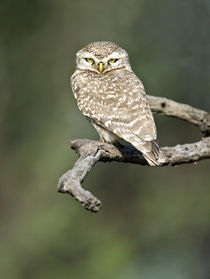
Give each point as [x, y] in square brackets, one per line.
[112, 97]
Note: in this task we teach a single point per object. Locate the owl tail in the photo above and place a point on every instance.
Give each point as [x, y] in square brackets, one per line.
[149, 149]
[152, 155]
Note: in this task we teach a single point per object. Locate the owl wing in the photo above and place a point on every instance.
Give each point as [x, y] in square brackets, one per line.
[130, 117]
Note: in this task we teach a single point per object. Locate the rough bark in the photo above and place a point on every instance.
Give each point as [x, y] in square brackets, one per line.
[91, 151]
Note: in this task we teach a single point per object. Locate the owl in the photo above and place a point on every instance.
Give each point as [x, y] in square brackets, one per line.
[113, 98]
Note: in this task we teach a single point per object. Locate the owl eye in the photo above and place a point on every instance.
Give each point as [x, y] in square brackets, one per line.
[89, 60]
[113, 60]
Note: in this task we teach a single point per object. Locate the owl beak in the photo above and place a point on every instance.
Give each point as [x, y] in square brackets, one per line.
[101, 67]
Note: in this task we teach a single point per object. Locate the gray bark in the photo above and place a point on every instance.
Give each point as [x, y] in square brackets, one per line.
[91, 151]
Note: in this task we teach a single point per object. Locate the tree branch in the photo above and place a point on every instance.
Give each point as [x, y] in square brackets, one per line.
[92, 151]
[192, 115]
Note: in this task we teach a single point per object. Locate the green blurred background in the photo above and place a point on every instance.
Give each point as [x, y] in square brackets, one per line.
[154, 223]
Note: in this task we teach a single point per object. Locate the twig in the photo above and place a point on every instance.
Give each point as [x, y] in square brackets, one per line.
[92, 151]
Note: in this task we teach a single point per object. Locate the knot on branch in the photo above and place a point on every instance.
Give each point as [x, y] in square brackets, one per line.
[205, 126]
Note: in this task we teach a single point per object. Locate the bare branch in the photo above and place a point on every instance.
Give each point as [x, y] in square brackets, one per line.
[92, 151]
[70, 182]
[192, 115]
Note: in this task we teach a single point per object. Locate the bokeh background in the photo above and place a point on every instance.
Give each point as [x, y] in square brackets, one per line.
[154, 223]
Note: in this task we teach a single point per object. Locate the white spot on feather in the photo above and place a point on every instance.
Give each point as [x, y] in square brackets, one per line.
[107, 123]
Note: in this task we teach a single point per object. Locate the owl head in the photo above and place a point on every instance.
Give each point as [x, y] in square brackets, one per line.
[102, 57]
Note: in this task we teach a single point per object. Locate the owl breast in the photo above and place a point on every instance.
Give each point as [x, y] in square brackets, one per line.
[109, 94]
